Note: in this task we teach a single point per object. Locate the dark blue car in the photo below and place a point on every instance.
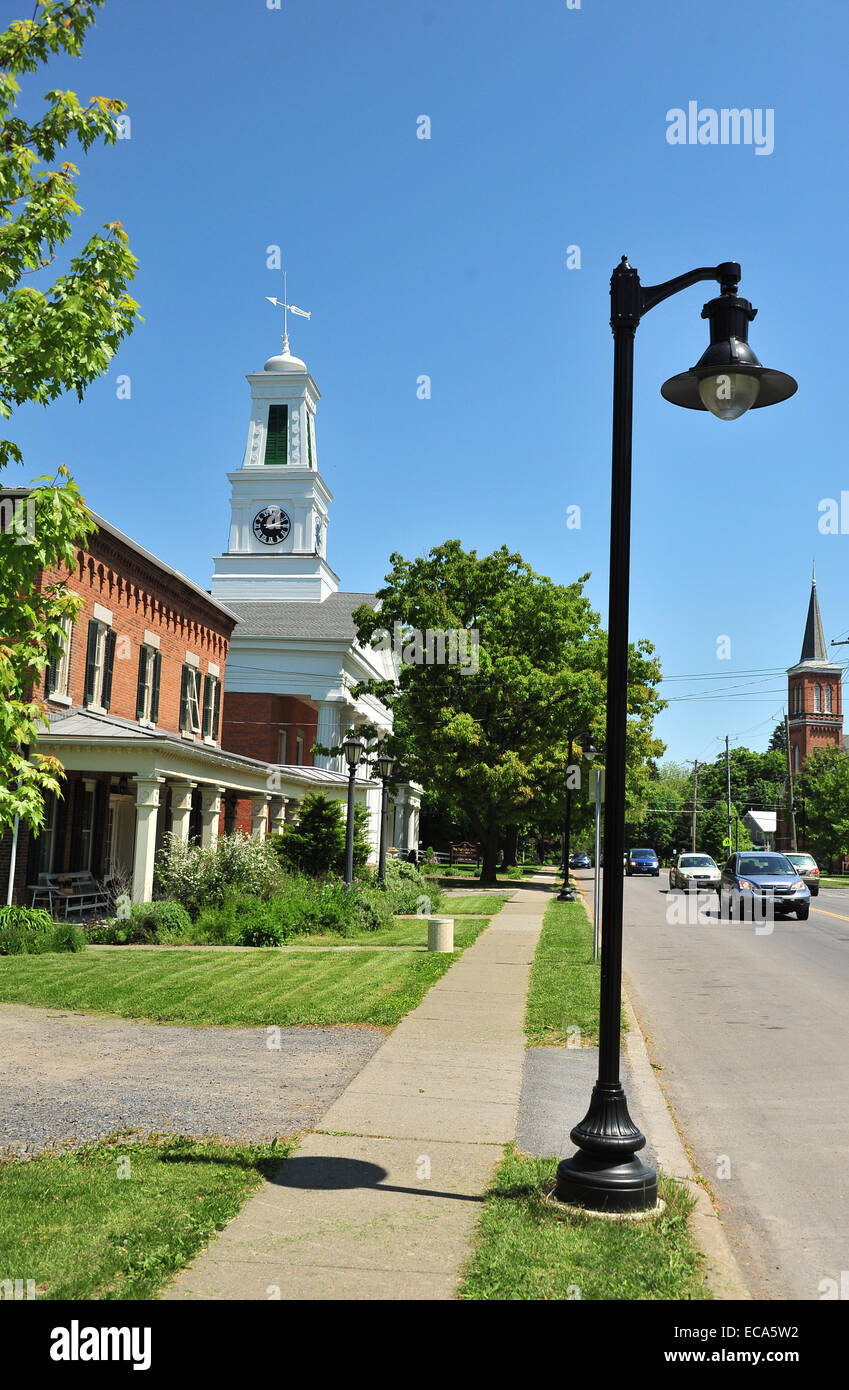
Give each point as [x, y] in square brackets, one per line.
[642, 861]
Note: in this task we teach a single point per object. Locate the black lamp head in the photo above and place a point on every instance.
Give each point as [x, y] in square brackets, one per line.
[728, 378]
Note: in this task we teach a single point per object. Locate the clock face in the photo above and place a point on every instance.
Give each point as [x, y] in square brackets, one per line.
[271, 525]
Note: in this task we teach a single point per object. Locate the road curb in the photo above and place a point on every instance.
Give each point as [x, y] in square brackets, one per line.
[724, 1276]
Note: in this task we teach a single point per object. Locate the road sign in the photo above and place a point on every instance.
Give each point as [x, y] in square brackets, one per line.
[726, 843]
[595, 773]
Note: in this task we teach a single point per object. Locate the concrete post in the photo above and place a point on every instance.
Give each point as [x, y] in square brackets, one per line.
[440, 933]
[210, 805]
[259, 816]
[147, 813]
[181, 809]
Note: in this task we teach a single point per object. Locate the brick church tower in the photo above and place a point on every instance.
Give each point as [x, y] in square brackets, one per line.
[814, 693]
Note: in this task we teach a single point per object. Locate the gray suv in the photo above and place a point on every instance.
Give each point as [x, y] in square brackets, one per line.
[754, 878]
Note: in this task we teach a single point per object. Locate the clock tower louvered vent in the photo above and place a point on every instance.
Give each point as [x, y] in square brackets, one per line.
[279, 500]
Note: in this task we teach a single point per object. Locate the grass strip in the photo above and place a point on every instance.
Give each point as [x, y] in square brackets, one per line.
[117, 1219]
[235, 988]
[564, 985]
[526, 1250]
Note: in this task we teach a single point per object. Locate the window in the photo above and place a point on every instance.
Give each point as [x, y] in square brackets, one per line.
[56, 675]
[99, 663]
[47, 835]
[211, 706]
[147, 691]
[309, 440]
[299, 750]
[828, 699]
[86, 825]
[190, 701]
[817, 699]
[277, 435]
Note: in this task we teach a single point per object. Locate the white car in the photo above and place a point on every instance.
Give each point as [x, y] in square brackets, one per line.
[694, 871]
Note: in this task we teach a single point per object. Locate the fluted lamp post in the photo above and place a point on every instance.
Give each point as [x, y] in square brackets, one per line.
[352, 747]
[385, 764]
[728, 380]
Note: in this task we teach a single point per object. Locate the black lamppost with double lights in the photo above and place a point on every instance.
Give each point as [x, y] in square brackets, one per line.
[385, 764]
[728, 380]
[352, 747]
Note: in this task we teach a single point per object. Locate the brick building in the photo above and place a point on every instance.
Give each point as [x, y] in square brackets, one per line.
[135, 716]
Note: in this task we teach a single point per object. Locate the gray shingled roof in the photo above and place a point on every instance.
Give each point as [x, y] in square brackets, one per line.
[274, 618]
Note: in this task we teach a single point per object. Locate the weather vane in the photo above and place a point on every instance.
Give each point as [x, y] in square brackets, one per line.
[287, 310]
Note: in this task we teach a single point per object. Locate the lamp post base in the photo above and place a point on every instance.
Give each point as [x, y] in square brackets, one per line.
[604, 1184]
[566, 895]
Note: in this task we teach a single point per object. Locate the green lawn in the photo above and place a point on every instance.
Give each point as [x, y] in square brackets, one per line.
[485, 903]
[564, 987]
[245, 986]
[71, 1223]
[525, 1250]
[834, 880]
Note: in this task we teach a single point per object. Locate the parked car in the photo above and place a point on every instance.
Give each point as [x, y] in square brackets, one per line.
[580, 861]
[755, 876]
[807, 869]
[642, 861]
[694, 871]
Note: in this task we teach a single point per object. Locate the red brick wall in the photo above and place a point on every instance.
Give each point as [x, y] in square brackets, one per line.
[140, 597]
[253, 723]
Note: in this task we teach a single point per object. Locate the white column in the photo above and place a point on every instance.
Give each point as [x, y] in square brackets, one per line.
[147, 813]
[278, 814]
[328, 732]
[259, 818]
[181, 809]
[210, 805]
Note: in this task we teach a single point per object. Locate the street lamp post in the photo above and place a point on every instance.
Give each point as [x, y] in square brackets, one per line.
[605, 1174]
[352, 747]
[567, 894]
[385, 765]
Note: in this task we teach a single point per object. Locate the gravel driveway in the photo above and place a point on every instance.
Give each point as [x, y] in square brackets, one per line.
[68, 1078]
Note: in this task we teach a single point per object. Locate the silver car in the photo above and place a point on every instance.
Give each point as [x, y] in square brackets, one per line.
[807, 868]
[754, 879]
[694, 871]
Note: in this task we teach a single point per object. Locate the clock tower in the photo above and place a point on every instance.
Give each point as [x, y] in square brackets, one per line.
[279, 500]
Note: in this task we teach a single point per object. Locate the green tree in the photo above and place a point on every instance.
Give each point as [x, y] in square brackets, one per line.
[712, 829]
[490, 738]
[316, 845]
[778, 739]
[54, 339]
[824, 784]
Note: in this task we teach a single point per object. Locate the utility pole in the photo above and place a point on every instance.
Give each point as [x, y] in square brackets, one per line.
[695, 800]
[728, 791]
[790, 782]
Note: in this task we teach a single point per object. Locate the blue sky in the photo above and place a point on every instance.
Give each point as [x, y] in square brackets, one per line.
[448, 257]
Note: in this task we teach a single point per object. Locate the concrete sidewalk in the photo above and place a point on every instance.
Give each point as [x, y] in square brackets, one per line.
[382, 1200]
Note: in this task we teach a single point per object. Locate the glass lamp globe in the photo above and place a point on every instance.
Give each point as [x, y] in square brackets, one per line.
[728, 395]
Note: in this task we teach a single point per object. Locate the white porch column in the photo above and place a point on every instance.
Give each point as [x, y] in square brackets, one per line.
[210, 805]
[181, 809]
[147, 813]
[328, 732]
[259, 807]
[278, 814]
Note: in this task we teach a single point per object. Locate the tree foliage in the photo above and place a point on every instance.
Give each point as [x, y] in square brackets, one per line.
[53, 339]
[824, 784]
[491, 742]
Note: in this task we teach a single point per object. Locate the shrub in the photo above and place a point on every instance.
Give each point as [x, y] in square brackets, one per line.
[160, 920]
[316, 844]
[198, 877]
[32, 931]
[407, 887]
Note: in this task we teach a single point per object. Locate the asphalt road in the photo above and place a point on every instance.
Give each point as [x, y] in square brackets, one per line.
[752, 1034]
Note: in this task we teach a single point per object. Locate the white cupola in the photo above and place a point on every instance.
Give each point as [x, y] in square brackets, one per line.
[279, 500]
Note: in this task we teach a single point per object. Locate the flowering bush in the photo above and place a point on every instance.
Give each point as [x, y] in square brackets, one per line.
[198, 877]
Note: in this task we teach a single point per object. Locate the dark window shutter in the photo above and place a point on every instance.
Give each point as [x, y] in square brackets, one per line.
[184, 699]
[77, 826]
[144, 657]
[98, 839]
[207, 706]
[154, 693]
[50, 674]
[108, 664]
[216, 709]
[90, 657]
[277, 434]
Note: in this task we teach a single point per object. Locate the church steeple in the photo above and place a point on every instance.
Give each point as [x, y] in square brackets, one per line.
[813, 643]
[814, 692]
[279, 500]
